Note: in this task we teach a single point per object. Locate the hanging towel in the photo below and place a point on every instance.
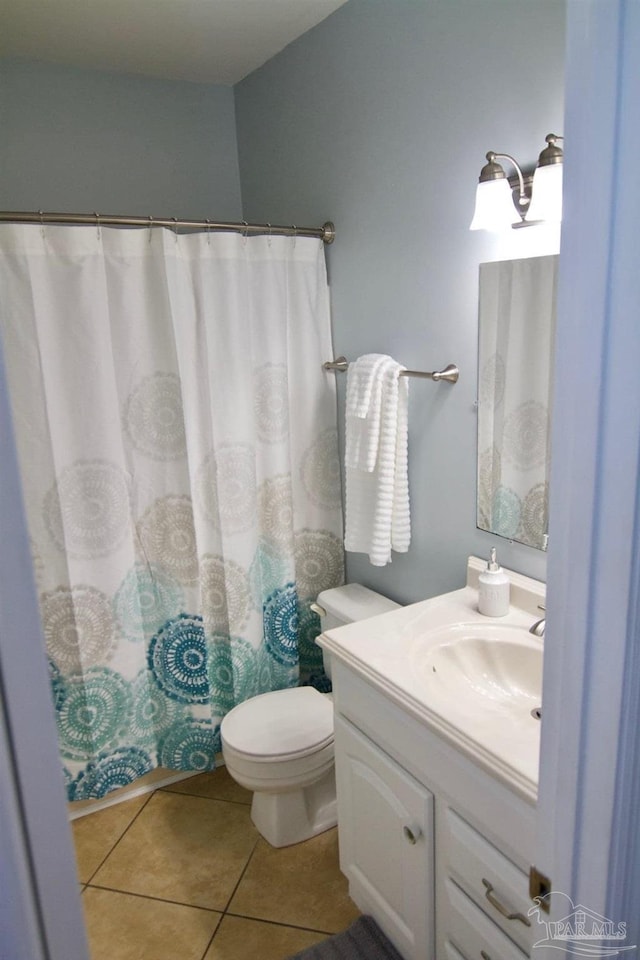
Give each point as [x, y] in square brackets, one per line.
[364, 398]
[377, 488]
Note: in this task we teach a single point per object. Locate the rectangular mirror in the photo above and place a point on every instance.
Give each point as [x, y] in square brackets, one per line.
[517, 312]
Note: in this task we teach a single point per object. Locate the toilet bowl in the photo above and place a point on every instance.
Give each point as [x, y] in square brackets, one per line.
[280, 744]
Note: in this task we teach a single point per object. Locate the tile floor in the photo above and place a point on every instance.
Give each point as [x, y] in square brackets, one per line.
[182, 874]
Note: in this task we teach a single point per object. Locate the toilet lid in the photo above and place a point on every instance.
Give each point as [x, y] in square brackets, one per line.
[286, 722]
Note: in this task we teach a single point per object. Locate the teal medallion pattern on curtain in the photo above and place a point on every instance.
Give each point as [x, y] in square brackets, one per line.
[280, 616]
[181, 478]
[94, 714]
[177, 660]
[146, 598]
[233, 665]
[190, 745]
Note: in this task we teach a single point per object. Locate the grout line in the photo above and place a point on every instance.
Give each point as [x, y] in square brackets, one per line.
[233, 893]
[244, 870]
[148, 896]
[195, 906]
[279, 923]
[126, 829]
[213, 936]
[200, 796]
[274, 923]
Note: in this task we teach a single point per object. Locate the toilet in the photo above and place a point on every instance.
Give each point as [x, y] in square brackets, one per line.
[280, 744]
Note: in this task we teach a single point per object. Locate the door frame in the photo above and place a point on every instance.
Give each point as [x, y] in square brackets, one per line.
[40, 911]
[589, 775]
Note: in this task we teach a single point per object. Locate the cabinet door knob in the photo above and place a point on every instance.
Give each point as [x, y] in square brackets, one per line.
[412, 833]
[500, 907]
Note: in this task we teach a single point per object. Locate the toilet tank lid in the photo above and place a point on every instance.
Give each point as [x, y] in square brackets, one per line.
[354, 602]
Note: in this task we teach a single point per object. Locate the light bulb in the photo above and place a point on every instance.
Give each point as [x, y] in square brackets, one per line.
[495, 209]
[546, 197]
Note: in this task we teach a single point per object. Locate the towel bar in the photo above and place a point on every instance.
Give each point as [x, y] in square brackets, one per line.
[450, 372]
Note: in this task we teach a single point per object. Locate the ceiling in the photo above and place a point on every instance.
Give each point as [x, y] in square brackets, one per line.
[205, 41]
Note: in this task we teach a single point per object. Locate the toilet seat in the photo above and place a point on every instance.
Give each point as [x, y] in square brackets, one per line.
[278, 774]
[279, 741]
[285, 725]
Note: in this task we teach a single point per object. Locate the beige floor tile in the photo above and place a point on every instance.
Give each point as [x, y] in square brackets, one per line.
[301, 885]
[123, 927]
[187, 849]
[240, 939]
[95, 834]
[218, 785]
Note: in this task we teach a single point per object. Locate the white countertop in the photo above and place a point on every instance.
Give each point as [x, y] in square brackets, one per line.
[392, 652]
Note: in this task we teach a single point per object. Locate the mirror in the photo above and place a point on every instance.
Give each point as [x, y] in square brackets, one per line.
[517, 311]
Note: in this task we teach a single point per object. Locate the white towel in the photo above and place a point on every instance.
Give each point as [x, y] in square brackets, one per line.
[364, 397]
[377, 490]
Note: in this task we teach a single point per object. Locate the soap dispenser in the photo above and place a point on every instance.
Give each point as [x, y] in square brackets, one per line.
[493, 589]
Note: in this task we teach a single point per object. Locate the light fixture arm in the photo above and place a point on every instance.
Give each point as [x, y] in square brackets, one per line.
[494, 171]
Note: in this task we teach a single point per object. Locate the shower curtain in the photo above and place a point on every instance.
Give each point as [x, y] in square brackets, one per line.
[178, 449]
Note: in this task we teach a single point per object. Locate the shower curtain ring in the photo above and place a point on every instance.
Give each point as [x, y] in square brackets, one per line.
[150, 228]
[175, 227]
[269, 240]
[245, 232]
[295, 234]
[208, 222]
[98, 227]
[42, 233]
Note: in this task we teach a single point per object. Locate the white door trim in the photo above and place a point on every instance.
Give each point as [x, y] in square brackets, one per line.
[40, 911]
[594, 551]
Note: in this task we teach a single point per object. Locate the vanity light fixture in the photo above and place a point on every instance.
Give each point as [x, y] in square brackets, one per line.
[539, 199]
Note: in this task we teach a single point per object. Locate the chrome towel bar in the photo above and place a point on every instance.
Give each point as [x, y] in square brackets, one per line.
[450, 372]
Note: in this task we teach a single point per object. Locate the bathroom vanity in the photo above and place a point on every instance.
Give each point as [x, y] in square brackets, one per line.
[436, 748]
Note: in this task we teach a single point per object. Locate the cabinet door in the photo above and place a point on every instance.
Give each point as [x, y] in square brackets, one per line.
[385, 825]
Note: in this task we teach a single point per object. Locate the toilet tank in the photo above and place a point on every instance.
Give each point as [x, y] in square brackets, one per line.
[346, 604]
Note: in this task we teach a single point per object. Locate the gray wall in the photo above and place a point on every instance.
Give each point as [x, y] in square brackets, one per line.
[82, 140]
[379, 118]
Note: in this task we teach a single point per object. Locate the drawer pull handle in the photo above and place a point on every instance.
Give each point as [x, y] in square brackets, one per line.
[500, 907]
[484, 955]
[412, 834]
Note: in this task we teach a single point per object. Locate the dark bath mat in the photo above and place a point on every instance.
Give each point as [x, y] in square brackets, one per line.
[364, 940]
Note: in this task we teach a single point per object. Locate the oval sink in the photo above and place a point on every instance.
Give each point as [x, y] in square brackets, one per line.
[475, 667]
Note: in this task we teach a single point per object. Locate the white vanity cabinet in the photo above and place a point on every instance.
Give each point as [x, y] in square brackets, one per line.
[435, 848]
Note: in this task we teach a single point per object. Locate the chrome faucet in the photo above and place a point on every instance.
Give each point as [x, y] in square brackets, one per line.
[538, 628]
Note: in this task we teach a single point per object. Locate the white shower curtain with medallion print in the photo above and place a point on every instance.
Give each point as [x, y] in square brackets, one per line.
[177, 440]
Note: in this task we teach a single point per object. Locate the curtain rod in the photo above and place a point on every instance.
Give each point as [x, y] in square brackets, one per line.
[326, 232]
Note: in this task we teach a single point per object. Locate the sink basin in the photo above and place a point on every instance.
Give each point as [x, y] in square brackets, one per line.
[482, 668]
[475, 681]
